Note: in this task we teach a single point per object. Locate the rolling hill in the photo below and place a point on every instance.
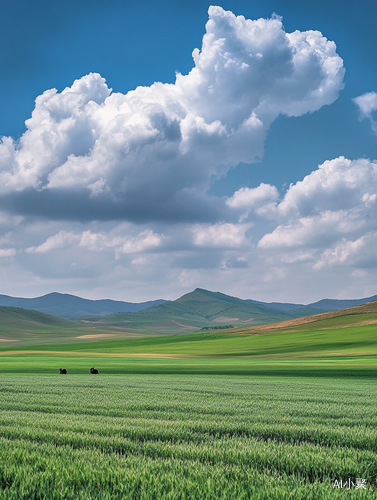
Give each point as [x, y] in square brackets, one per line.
[194, 311]
[361, 315]
[23, 324]
[28, 327]
[27, 319]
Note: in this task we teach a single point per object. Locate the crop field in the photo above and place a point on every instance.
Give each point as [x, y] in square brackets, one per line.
[186, 437]
[285, 414]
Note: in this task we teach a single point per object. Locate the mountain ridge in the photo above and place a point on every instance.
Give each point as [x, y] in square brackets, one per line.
[324, 304]
[67, 306]
[72, 307]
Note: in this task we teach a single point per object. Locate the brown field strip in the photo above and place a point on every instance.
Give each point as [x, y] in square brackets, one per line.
[96, 354]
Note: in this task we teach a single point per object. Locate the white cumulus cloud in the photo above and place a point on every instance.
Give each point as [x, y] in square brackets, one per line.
[150, 153]
[221, 235]
[98, 241]
[261, 199]
[343, 252]
[339, 184]
[332, 213]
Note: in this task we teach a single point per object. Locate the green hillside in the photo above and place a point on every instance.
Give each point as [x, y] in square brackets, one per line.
[64, 305]
[24, 326]
[362, 315]
[334, 352]
[17, 318]
[314, 343]
[337, 343]
[193, 311]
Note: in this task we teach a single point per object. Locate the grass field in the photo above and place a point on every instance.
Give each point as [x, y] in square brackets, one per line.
[193, 437]
[330, 342]
[329, 352]
[278, 414]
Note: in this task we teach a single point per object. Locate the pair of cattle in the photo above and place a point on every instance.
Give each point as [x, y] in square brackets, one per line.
[63, 371]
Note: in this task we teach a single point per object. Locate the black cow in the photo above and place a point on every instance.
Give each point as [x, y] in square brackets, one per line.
[94, 371]
[63, 371]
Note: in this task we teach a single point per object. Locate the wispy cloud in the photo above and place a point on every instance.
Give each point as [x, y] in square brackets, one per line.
[367, 104]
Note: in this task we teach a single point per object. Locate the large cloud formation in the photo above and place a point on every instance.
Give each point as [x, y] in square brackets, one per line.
[149, 155]
[329, 217]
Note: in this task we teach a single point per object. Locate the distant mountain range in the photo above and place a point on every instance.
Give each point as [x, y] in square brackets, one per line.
[322, 305]
[204, 309]
[197, 309]
[68, 306]
[192, 312]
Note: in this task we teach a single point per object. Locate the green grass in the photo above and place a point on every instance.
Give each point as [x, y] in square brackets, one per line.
[174, 437]
[278, 415]
[333, 352]
[329, 342]
[350, 341]
[354, 366]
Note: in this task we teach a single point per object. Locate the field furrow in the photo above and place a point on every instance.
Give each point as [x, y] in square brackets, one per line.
[144, 437]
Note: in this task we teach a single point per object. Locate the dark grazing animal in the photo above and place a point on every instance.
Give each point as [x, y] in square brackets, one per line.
[94, 371]
[63, 371]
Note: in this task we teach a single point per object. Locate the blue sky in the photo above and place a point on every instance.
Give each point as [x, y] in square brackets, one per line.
[105, 214]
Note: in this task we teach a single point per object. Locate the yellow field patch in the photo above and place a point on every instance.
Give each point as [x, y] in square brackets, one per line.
[182, 325]
[97, 336]
[224, 319]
